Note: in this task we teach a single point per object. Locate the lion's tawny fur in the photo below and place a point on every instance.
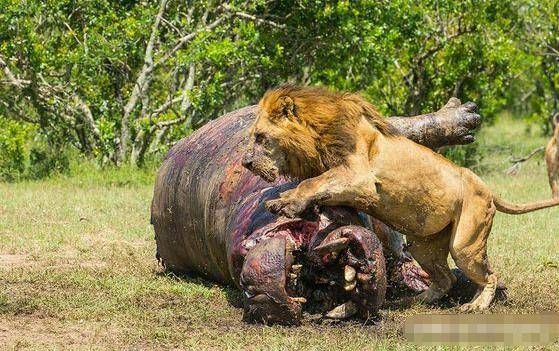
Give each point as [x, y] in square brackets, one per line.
[552, 158]
[319, 124]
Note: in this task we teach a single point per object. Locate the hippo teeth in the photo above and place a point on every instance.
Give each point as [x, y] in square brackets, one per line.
[350, 286]
[331, 278]
[349, 273]
[296, 268]
[343, 311]
[299, 299]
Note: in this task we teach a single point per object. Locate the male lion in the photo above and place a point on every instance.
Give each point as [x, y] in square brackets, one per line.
[346, 154]
[552, 158]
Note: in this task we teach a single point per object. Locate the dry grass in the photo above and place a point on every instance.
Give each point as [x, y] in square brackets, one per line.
[77, 269]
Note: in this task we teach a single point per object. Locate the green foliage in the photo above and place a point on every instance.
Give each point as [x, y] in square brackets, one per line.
[110, 80]
[465, 156]
[24, 156]
[13, 149]
[536, 93]
[45, 160]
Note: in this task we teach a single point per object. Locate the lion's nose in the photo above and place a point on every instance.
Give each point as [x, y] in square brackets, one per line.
[247, 161]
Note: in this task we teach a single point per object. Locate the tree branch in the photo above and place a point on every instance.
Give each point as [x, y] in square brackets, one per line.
[527, 157]
[140, 86]
[88, 117]
[70, 103]
[517, 162]
[183, 98]
[259, 20]
[186, 103]
[185, 39]
[17, 111]
[441, 44]
[165, 106]
[12, 79]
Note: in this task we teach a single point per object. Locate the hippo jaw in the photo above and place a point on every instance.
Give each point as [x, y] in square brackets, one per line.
[326, 268]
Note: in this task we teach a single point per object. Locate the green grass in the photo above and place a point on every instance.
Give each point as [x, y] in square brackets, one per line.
[77, 266]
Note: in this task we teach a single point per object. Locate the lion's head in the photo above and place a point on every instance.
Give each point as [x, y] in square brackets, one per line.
[303, 131]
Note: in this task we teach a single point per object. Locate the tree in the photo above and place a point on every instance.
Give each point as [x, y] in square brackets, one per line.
[122, 80]
[109, 78]
[538, 91]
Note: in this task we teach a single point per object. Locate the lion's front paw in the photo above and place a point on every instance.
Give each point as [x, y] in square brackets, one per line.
[285, 207]
[287, 193]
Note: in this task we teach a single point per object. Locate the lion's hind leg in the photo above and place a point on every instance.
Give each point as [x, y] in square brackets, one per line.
[554, 180]
[432, 253]
[552, 161]
[468, 248]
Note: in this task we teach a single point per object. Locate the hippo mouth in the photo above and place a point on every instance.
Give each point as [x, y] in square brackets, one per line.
[327, 268]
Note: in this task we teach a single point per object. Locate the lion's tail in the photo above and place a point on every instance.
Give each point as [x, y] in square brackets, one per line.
[510, 208]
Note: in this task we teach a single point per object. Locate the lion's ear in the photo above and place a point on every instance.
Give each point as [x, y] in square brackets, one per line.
[556, 119]
[287, 106]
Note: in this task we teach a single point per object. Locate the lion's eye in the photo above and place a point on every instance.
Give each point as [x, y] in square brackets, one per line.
[259, 138]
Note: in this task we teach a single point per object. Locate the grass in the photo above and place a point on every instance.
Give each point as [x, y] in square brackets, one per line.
[77, 267]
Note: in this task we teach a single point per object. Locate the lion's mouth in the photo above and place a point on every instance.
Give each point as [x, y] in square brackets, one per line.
[265, 169]
[269, 174]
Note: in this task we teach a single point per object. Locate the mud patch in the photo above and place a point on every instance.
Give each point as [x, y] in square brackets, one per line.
[8, 261]
[14, 261]
[47, 333]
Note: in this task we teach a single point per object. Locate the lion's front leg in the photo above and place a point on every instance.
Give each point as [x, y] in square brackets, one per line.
[292, 206]
[286, 206]
[337, 186]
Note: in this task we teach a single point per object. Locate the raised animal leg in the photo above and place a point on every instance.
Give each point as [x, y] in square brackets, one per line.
[339, 186]
[432, 253]
[552, 161]
[554, 182]
[468, 247]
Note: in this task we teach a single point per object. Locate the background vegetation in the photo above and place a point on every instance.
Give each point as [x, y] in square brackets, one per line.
[94, 92]
[118, 82]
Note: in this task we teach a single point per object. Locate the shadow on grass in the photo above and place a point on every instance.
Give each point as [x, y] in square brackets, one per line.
[461, 292]
[232, 294]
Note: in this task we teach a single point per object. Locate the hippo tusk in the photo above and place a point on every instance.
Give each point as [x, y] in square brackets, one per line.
[343, 311]
[349, 273]
[334, 246]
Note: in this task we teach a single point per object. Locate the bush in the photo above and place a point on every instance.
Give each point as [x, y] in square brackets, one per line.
[25, 155]
[465, 156]
[14, 155]
[45, 160]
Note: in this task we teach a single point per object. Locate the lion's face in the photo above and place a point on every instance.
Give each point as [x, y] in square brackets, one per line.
[301, 132]
[265, 157]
